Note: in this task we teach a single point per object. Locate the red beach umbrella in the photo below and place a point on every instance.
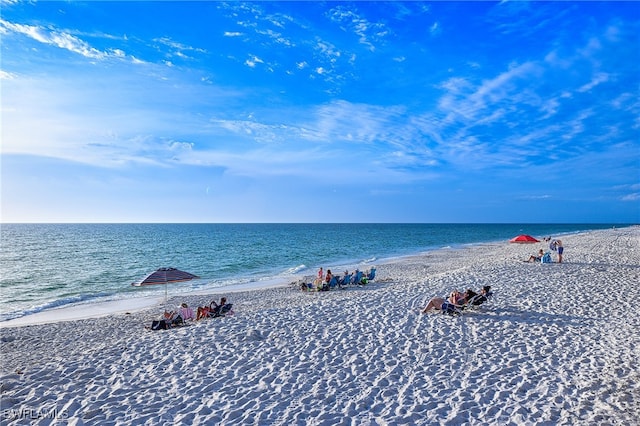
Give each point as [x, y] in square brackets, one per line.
[523, 239]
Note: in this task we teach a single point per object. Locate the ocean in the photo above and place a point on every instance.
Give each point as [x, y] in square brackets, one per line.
[45, 266]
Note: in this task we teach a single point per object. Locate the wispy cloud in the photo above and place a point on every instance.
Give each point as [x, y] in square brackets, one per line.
[331, 93]
[63, 40]
[435, 29]
[55, 38]
[597, 79]
[369, 33]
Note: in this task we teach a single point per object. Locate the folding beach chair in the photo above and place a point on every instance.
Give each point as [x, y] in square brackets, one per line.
[357, 277]
[372, 274]
[221, 310]
[346, 280]
[333, 283]
[478, 299]
[452, 309]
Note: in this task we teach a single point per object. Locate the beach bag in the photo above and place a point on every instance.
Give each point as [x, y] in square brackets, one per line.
[159, 325]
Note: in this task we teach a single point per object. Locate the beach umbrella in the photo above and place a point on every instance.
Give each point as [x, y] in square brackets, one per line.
[523, 239]
[165, 276]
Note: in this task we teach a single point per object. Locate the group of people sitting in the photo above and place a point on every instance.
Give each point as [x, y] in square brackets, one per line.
[184, 313]
[215, 309]
[458, 300]
[328, 281]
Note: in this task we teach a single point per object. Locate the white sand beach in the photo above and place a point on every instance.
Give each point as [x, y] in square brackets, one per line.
[558, 344]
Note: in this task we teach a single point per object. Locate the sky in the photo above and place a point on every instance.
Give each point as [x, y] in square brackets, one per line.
[268, 111]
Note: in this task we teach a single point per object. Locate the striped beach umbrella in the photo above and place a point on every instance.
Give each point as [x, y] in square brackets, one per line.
[165, 276]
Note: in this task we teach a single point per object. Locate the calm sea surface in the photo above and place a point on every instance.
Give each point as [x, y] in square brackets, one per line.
[43, 266]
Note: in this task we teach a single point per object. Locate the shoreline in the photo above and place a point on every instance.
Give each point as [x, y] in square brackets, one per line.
[122, 306]
[79, 311]
[60, 293]
[548, 348]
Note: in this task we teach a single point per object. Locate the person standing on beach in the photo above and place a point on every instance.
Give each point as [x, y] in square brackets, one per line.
[560, 250]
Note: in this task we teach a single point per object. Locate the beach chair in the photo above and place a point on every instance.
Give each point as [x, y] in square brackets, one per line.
[357, 277]
[451, 309]
[222, 310]
[346, 280]
[484, 295]
[546, 258]
[333, 283]
[372, 274]
[477, 300]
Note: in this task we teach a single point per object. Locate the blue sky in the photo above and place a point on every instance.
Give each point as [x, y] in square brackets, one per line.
[320, 112]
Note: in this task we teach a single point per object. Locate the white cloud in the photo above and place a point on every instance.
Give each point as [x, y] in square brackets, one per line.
[5, 75]
[253, 61]
[367, 32]
[597, 79]
[181, 146]
[62, 40]
[278, 38]
[631, 197]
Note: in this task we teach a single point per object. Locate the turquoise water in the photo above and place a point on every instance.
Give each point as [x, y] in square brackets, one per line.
[49, 265]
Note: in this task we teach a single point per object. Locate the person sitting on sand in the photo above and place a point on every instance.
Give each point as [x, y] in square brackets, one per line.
[207, 311]
[327, 278]
[322, 284]
[468, 295]
[437, 302]
[346, 278]
[537, 258]
[186, 312]
[456, 298]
